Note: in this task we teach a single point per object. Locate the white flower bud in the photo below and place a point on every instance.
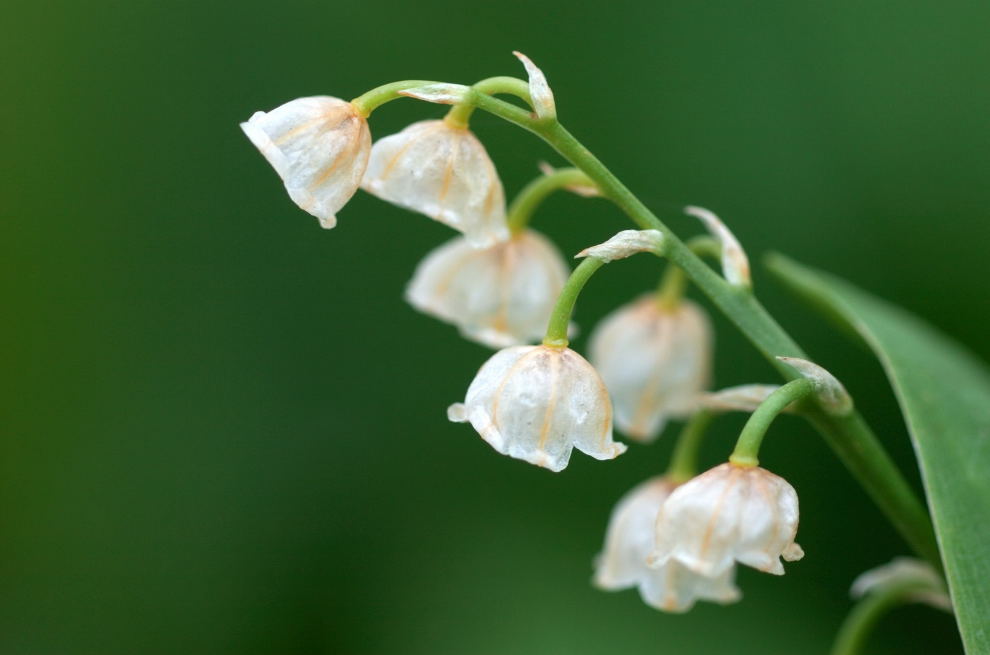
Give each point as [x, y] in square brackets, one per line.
[655, 361]
[444, 172]
[729, 514]
[319, 146]
[499, 296]
[629, 540]
[536, 403]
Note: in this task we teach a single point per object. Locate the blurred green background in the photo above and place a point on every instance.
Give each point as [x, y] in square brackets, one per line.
[223, 431]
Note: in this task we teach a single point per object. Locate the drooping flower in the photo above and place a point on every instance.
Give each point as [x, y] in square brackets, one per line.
[443, 171]
[655, 361]
[726, 515]
[319, 146]
[498, 296]
[537, 403]
[630, 539]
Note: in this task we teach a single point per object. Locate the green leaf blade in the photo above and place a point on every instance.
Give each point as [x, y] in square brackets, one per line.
[944, 394]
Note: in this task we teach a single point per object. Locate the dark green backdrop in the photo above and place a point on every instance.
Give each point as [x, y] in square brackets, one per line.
[223, 431]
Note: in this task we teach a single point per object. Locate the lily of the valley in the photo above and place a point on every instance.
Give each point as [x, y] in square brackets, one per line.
[655, 360]
[440, 169]
[729, 514]
[537, 403]
[630, 539]
[499, 296]
[319, 146]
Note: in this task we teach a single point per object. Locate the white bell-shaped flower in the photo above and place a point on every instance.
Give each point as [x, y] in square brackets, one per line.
[655, 361]
[729, 514]
[537, 403]
[319, 146]
[499, 296]
[443, 171]
[629, 541]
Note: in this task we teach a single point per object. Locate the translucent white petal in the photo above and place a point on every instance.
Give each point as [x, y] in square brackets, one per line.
[319, 146]
[735, 264]
[655, 362]
[626, 244]
[499, 296]
[725, 515]
[630, 535]
[536, 403]
[675, 588]
[444, 172]
[539, 89]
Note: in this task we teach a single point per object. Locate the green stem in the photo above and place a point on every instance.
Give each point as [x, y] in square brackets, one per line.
[857, 627]
[705, 246]
[534, 193]
[674, 281]
[460, 113]
[672, 287]
[372, 100]
[748, 445]
[684, 460]
[560, 319]
[849, 436]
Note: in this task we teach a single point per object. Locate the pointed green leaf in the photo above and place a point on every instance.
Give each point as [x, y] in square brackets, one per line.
[944, 393]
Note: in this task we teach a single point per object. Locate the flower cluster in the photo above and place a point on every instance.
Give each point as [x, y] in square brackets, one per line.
[505, 286]
[680, 543]
[496, 285]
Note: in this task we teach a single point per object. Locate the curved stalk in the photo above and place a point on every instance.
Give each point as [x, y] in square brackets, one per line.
[560, 319]
[748, 445]
[375, 98]
[849, 436]
[534, 193]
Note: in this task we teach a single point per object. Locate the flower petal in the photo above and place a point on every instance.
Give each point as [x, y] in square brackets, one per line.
[498, 296]
[319, 146]
[444, 172]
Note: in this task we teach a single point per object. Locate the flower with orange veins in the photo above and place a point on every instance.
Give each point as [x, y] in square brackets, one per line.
[537, 403]
[655, 360]
[499, 296]
[442, 170]
[729, 514]
[319, 146]
[630, 539]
